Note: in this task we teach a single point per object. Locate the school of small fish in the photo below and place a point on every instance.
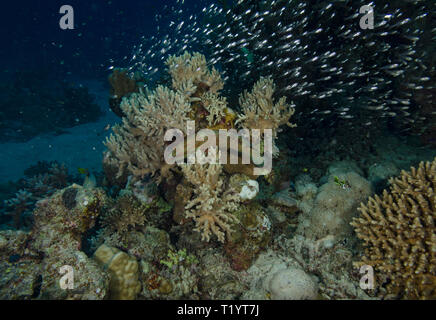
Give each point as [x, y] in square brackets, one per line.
[316, 52]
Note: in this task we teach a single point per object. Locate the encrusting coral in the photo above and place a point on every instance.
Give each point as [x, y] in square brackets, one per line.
[398, 231]
[60, 223]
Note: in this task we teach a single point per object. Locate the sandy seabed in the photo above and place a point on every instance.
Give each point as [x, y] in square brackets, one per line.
[81, 146]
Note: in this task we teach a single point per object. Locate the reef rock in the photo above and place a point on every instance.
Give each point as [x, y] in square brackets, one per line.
[60, 222]
[334, 206]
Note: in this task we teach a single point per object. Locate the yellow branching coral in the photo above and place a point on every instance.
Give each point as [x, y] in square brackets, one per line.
[211, 207]
[398, 230]
[260, 111]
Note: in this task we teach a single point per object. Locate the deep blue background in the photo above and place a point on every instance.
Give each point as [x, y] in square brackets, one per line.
[104, 30]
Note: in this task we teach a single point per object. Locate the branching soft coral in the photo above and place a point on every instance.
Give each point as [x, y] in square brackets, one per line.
[216, 107]
[211, 207]
[138, 145]
[189, 71]
[260, 111]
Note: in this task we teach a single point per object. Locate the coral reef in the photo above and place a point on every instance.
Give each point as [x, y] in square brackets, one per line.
[205, 230]
[398, 232]
[60, 222]
[41, 258]
[136, 148]
[41, 181]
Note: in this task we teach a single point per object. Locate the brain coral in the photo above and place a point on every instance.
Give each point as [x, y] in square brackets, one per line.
[398, 231]
[124, 272]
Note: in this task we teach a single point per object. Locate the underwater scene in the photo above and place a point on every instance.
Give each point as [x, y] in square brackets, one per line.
[218, 150]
